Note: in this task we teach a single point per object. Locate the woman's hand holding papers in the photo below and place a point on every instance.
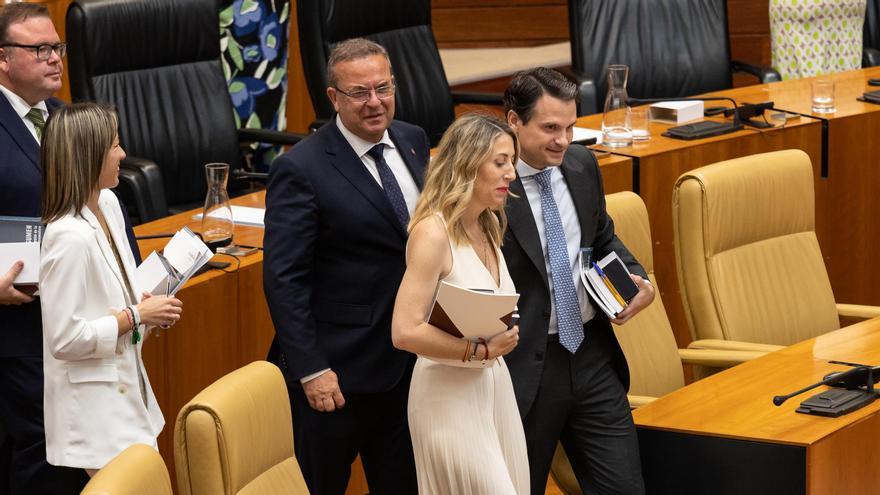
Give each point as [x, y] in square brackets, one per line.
[503, 343]
[161, 311]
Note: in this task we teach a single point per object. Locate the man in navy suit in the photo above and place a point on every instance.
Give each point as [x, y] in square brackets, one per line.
[29, 74]
[337, 208]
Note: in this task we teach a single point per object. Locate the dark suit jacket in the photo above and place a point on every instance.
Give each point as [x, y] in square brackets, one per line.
[525, 261]
[334, 258]
[20, 193]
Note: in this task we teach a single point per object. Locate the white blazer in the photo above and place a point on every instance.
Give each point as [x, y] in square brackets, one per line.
[93, 403]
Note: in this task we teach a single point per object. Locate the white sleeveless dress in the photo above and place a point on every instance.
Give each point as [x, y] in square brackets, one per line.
[466, 429]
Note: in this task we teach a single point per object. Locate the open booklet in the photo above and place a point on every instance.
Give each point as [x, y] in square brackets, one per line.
[608, 282]
[472, 313]
[20, 240]
[165, 273]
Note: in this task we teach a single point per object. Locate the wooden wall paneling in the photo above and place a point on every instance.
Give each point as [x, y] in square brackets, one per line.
[518, 25]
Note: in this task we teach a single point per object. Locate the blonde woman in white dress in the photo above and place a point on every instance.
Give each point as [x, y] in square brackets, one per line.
[465, 425]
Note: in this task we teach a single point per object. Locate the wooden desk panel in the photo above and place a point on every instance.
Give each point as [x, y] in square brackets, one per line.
[841, 453]
[617, 172]
[658, 163]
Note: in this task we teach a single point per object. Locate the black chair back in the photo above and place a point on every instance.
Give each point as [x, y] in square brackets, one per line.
[674, 48]
[158, 63]
[403, 27]
[871, 32]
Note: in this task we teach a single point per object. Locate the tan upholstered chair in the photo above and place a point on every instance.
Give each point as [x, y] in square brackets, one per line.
[749, 264]
[137, 470]
[647, 340]
[236, 437]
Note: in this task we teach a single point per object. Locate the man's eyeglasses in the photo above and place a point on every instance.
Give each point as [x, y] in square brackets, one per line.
[363, 95]
[43, 51]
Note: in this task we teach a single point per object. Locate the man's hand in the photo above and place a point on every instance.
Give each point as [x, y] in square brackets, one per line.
[323, 392]
[638, 303]
[8, 293]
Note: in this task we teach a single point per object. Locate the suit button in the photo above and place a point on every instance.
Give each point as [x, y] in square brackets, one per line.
[539, 356]
[122, 388]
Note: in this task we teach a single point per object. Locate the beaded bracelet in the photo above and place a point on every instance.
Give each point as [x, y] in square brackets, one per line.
[135, 332]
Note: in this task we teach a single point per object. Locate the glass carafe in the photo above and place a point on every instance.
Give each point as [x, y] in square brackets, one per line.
[616, 126]
[217, 223]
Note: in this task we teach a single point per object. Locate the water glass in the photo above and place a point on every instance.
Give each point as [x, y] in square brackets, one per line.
[823, 96]
[640, 120]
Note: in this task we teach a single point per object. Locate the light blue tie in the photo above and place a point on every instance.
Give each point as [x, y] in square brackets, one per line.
[568, 310]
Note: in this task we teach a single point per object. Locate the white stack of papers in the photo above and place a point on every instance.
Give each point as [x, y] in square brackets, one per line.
[20, 240]
[165, 273]
[582, 133]
[241, 215]
[608, 282]
[471, 313]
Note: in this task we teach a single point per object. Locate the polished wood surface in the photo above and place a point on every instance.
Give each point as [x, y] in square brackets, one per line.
[842, 452]
[617, 172]
[658, 163]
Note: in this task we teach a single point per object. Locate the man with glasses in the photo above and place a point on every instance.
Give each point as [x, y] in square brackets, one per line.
[337, 209]
[30, 72]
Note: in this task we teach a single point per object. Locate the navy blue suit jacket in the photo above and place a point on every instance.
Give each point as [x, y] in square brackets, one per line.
[334, 258]
[20, 193]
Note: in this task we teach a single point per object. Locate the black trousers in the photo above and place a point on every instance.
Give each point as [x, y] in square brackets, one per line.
[582, 403]
[374, 425]
[21, 413]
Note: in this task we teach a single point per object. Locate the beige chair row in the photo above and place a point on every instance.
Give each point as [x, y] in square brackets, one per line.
[233, 438]
[751, 274]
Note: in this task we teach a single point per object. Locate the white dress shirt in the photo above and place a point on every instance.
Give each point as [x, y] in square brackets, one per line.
[570, 224]
[22, 108]
[392, 157]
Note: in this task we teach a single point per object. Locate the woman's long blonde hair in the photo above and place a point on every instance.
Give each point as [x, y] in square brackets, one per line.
[449, 184]
[76, 140]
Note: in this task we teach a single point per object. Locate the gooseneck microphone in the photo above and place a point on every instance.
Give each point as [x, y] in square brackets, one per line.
[736, 118]
[848, 379]
[703, 129]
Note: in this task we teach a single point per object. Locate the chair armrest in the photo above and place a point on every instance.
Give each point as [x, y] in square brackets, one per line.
[858, 311]
[477, 97]
[733, 345]
[713, 358]
[764, 73]
[145, 180]
[268, 136]
[637, 401]
[870, 57]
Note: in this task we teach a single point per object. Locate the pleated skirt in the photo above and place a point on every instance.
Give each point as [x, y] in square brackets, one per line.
[466, 431]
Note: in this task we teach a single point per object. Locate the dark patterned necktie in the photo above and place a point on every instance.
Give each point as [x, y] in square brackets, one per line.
[390, 185]
[35, 115]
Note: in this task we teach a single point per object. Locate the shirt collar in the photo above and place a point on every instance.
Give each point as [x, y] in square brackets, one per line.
[524, 170]
[20, 106]
[359, 145]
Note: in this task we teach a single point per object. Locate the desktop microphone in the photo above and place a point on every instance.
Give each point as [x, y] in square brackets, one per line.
[848, 379]
[702, 129]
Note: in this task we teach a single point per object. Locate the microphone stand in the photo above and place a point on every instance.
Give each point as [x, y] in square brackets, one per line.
[837, 402]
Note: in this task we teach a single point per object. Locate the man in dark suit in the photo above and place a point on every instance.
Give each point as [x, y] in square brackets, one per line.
[30, 71]
[569, 374]
[337, 207]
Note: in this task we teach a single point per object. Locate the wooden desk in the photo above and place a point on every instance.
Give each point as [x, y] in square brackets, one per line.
[657, 164]
[847, 201]
[723, 435]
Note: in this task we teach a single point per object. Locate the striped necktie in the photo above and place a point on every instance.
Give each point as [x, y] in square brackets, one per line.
[390, 185]
[35, 115]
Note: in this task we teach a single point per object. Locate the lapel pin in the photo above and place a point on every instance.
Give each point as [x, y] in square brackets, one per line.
[413, 151]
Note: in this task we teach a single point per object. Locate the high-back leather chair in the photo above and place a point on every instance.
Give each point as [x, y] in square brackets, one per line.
[871, 34]
[137, 470]
[158, 63]
[647, 340]
[673, 48]
[236, 437]
[403, 27]
[748, 260]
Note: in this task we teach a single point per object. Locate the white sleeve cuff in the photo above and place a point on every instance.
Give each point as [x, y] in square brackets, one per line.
[107, 330]
[311, 377]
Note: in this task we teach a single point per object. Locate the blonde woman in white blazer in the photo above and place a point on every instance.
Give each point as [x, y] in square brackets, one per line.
[98, 399]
